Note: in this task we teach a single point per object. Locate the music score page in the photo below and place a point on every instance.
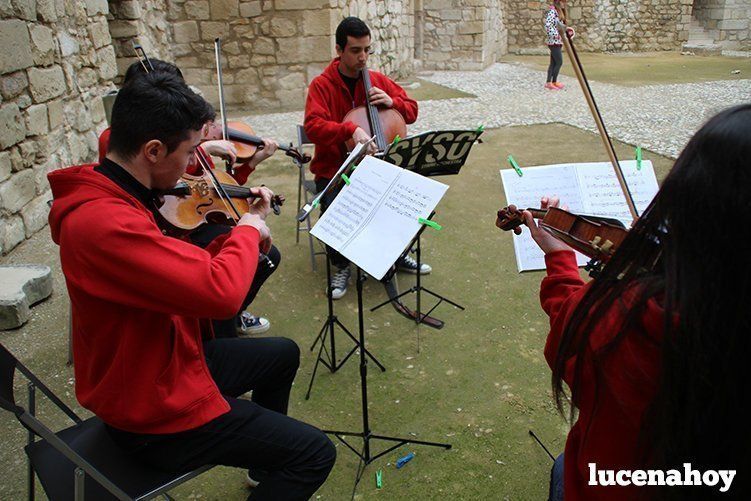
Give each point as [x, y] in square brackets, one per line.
[375, 217]
[586, 188]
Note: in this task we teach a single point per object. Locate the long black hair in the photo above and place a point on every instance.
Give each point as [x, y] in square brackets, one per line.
[699, 224]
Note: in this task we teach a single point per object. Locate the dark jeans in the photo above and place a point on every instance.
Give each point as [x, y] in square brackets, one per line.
[267, 264]
[294, 458]
[556, 61]
[555, 491]
[336, 259]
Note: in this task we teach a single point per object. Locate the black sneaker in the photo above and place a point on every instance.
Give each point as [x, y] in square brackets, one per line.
[251, 324]
[339, 283]
[409, 265]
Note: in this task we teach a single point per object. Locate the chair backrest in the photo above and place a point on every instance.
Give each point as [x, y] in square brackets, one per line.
[7, 371]
[302, 138]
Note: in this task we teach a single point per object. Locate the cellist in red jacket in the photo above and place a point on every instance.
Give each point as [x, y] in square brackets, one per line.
[331, 95]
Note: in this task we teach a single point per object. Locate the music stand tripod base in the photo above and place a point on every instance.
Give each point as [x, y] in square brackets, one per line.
[367, 434]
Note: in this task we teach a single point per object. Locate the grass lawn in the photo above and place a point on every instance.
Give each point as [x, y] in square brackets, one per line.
[480, 383]
[633, 70]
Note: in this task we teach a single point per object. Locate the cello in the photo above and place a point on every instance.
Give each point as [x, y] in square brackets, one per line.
[383, 123]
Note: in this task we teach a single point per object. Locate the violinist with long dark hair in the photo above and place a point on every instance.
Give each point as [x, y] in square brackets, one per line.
[145, 362]
[242, 322]
[654, 353]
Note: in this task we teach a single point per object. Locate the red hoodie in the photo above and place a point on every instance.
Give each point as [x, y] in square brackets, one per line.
[606, 434]
[136, 298]
[240, 172]
[329, 101]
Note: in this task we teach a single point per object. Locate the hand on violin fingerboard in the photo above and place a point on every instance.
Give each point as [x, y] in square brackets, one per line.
[269, 148]
[262, 204]
[547, 242]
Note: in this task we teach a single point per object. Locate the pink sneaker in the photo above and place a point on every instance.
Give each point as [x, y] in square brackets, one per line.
[551, 86]
[558, 85]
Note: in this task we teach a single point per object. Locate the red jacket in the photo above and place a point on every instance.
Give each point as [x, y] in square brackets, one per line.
[240, 172]
[136, 298]
[329, 101]
[606, 435]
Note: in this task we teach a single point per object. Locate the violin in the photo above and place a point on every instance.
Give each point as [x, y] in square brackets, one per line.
[596, 237]
[383, 123]
[246, 142]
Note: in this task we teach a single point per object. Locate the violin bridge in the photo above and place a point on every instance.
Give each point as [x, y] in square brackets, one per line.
[595, 242]
[607, 246]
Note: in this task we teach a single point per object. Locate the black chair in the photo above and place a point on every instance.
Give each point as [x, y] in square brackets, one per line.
[306, 192]
[79, 462]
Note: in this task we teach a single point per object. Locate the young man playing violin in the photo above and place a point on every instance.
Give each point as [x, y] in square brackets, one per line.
[146, 363]
[243, 322]
[331, 95]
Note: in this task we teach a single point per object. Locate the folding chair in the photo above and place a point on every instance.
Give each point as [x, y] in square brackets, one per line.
[306, 190]
[82, 459]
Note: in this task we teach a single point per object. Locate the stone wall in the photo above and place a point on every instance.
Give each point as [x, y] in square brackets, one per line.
[56, 61]
[727, 22]
[462, 34]
[605, 25]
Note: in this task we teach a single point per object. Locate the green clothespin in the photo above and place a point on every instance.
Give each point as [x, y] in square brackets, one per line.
[354, 167]
[346, 179]
[379, 479]
[515, 165]
[396, 140]
[315, 203]
[428, 222]
[480, 128]
[638, 158]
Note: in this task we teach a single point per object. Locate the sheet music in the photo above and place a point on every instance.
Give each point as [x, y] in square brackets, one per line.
[375, 217]
[586, 188]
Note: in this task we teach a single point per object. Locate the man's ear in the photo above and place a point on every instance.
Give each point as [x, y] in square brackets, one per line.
[154, 150]
[339, 50]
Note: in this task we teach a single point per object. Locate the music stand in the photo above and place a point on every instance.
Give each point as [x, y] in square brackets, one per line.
[365, 455]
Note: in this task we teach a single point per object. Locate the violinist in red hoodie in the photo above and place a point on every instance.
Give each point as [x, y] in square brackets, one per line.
[145, 362]
[331, 95]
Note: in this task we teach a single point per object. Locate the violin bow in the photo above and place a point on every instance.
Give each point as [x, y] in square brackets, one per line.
[222, 109]
[581, 77]
[142, 57]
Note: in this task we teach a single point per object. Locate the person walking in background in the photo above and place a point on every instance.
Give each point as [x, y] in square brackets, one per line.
[554, 42]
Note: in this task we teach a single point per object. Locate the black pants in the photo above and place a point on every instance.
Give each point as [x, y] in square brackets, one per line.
[556, 61]
[267, 264]
[293, 457]
[336, 259]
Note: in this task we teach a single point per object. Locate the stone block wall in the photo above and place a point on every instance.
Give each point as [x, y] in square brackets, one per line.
[462, 34]
[56, 61]
[728, 22]
[605, 25]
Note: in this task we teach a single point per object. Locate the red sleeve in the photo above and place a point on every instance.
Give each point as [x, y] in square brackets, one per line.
[104, 143]
[319, 127]
[241, 172]
[139, 267]
[402, 102]
[560, 292]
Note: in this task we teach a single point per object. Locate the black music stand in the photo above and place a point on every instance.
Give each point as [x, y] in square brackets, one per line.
[365, 455]
[327, 333]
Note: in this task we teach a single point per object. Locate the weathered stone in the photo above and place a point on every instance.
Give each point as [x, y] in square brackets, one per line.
[5, 165]
[16, 46]
[55, 112]
[11, 126]
[96, 109]
[35, 213]
[185, 31]
[11, 233]
[211, 30]
[94, 7]
[25, 9]
[197, 9]
[300, 4]
[23, 101]
[17, 191]
[37, 121]
[12, 85]
[264, 46]
[250, 9]
[107, 63]
[46, 83]
[15, 159]
[99, 33]
[123, 29]
[40, 173]
[129, 10]
[68, 44]
[303, 49]
[43, 45]
[281, 27]
[223, 9]
[24, 286]
[46, 11]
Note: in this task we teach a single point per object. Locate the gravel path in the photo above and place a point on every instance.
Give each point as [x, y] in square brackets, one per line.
[661, 118]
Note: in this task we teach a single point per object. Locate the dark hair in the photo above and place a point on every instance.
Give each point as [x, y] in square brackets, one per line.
[155, 106]
[157, 65]
[353, 27]
[696, 222]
